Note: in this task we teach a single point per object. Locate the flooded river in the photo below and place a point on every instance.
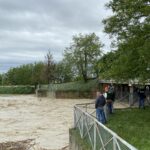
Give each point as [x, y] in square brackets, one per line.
[46, 120]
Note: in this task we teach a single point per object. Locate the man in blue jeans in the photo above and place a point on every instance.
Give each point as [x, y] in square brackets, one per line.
[99, 104]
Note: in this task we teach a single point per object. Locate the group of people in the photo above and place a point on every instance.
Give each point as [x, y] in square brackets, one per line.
[104, 103]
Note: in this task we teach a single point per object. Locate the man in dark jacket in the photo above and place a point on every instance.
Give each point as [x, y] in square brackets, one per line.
[142, 97]
[110, 98]
[99, 104]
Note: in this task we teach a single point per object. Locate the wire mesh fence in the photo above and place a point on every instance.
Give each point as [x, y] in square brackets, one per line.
[96, 134]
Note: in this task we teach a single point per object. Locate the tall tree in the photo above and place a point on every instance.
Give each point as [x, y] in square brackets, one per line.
[37, 76]
[63, 72]
[105, 64]
[84, 54]
[49, 67]
[130, 26]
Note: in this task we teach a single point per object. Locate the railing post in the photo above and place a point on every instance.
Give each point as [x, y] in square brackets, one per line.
[95, 135]
[86, 108]
[114, 143]
[82, 124]
[83, 118]
[74, 117]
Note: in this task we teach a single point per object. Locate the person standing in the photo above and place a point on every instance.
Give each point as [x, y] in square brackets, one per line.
[142, 97]
[110, 98]
[99, 106]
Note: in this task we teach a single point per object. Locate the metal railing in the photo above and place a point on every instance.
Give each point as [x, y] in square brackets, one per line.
[96, 134]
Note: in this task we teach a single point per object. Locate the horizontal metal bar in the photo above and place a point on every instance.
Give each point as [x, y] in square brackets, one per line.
[104, 127]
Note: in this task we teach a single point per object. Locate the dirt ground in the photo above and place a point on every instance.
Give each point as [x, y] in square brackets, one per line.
[46, 120]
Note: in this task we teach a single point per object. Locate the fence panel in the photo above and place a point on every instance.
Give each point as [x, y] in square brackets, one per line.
[96, 134]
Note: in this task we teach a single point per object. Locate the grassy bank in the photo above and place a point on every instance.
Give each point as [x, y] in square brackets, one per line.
[17, 89]
[133, 125]
[78, 141]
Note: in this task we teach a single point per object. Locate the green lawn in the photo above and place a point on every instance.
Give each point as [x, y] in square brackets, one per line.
[133, 125]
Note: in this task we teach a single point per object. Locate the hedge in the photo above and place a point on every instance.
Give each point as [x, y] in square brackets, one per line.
[17, 89]
[72, 86]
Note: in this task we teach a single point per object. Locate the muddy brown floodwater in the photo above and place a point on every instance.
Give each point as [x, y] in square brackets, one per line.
[46, 120]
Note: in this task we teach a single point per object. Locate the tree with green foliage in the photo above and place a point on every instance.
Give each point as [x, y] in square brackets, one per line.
[63, 72]
[105, 64]
[37, 76]
[130, 26]
[20, 75]
[83, 54]
[49, 68]
[28, 74]
[3, 79]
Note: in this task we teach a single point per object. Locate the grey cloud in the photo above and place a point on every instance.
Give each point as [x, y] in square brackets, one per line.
[44, 14]
[28, 29]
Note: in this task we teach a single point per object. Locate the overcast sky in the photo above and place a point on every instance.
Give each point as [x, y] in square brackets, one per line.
[29, 28]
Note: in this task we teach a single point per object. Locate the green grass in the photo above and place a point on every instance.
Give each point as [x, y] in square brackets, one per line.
[82, 143]
[133, 125]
